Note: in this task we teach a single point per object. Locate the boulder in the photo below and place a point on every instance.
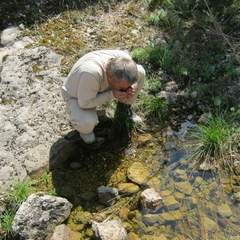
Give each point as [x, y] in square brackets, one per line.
[39, 215]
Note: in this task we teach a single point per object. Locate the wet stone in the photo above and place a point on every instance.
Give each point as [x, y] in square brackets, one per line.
[184, 187]
[171, 203]
[236, 196]
[137, 173]
[177, 214]
[112, 229]
[155, 183]
[107, 195]
[83, 217]
[151, 199]
[179, 195]
[198, 181]
[210, 224]
[151, 219]
[127, 188]
[225, 210]
[166, 218]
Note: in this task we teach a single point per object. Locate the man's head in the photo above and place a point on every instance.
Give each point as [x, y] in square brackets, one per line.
[122, 73]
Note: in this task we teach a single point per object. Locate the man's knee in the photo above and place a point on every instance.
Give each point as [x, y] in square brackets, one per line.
[84, 127]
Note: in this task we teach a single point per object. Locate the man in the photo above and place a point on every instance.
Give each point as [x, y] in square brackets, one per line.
[96, 78]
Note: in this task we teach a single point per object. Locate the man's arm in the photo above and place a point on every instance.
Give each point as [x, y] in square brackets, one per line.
[88, 92]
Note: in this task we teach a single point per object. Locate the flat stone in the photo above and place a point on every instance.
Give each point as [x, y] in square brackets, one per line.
[184, 187]
[171, 203]
[127, 188]
[225, 210]
[137, 173]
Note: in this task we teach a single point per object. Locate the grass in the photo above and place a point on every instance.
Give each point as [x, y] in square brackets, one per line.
[216, 139]
[122, 126]
[15, 197]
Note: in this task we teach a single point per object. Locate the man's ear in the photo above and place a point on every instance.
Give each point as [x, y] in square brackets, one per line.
[109, 76]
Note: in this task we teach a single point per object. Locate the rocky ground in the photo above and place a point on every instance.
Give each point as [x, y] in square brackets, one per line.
[32, 111]
[34, 62]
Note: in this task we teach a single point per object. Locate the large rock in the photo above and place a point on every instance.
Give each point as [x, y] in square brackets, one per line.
[39, 215]
[33, 115]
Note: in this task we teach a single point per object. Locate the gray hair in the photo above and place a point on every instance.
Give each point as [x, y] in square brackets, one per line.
[123, 69]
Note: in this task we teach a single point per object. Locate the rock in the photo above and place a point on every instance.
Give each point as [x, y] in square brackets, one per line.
[204, 118]
[236, 196]
[31, 107]
[61, 232]
[9, 36]
[236, 167]
[224, 210]
[83, 218]
[111, 229]
[151, 219]
[171, 203]
[210, 224]
[107, 195]
[132, 236]
[171, 86]
[150, 199]
[184, 187]
[39, 215]
[166, 218]
[155, 183]
[127, 188]
[198, 181]
[123, 213]
[170, 97]
[137, 173]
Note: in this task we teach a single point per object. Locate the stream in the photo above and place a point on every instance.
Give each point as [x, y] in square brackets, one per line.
[197, 205]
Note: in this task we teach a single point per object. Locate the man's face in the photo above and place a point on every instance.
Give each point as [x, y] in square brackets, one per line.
[120, 86]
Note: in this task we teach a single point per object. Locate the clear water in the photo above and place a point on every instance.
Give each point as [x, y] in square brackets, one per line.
[197, 205]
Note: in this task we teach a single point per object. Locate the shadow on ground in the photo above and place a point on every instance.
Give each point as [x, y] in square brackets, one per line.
[77, 171]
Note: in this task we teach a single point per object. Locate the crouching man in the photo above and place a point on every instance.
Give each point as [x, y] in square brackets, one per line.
[95, 79]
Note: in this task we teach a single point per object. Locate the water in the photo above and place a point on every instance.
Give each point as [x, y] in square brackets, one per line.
[197, 205]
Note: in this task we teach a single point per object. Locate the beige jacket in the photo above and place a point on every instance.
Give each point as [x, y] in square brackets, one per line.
[87, 81]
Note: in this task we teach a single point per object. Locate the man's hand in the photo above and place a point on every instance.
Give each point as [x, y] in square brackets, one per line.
[124, 94]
